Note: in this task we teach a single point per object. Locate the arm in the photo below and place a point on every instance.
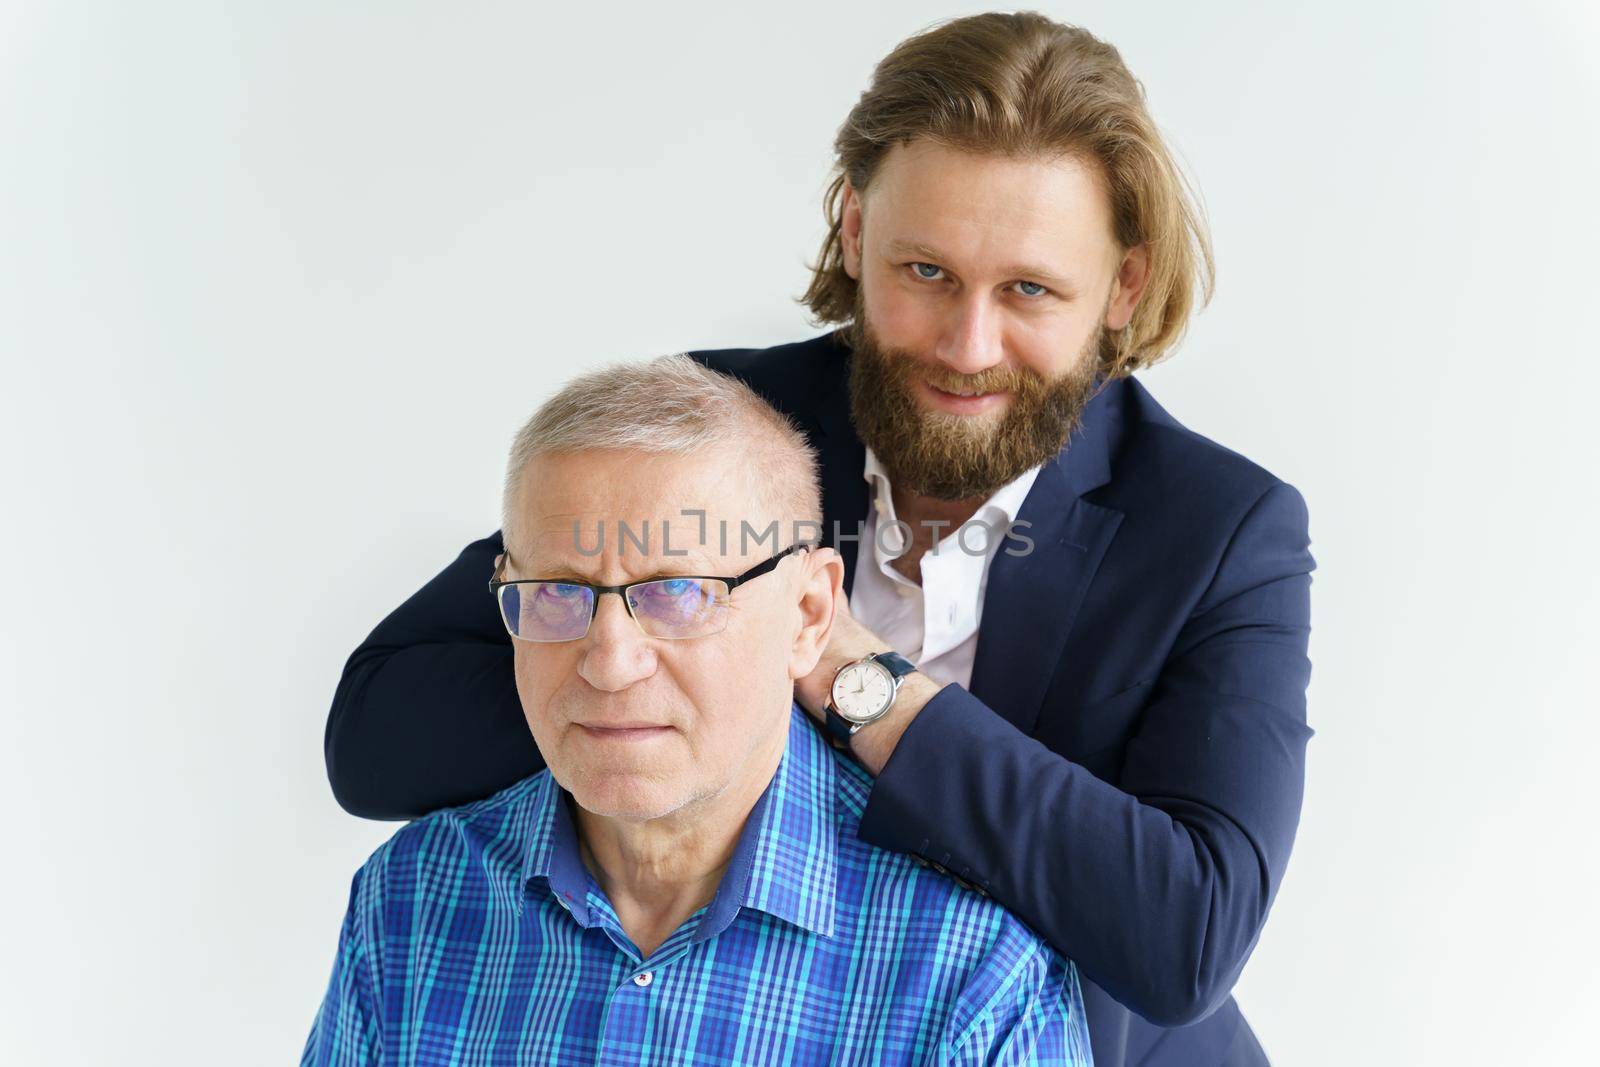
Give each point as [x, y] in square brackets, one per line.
[1157, 887]
[346, 1028]
[426, 713]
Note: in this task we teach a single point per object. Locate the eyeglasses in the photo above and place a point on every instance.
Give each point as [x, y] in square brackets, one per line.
[689, 605]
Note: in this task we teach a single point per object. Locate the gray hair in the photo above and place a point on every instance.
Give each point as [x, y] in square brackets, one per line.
[673, 405]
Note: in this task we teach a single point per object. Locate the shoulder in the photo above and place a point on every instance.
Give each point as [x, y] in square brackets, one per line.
[1031, 1013]
[930, 902]
[1009, 988]
[1162, 467]
[1169, 454]
[484, 841]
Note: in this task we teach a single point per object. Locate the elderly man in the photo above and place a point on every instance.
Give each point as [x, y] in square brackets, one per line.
[684, 882]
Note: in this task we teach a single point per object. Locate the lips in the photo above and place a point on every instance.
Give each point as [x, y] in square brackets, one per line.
[965, 404]
[623, 731]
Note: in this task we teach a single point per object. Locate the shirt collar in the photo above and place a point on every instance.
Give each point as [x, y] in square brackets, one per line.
[785, 862]
[552, 855]
[795, 851]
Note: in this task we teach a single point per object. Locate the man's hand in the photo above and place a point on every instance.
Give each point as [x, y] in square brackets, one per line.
[849, 641]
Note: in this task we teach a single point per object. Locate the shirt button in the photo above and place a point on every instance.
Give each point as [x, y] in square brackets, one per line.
[643, 979]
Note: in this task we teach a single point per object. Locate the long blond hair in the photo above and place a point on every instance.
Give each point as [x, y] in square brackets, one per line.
[1022, 84]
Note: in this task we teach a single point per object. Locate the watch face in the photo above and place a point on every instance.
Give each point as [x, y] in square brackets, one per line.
[863, 691]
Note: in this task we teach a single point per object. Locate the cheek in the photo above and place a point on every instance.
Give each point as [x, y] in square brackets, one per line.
[538, 674]
[1047, 363]
[1048, 345]
[728, 689]
[900, 319]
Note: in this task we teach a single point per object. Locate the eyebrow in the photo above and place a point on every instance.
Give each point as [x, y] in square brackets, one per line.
[1019, 270]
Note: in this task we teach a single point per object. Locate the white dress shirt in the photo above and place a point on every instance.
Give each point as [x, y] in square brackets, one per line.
[935, 624]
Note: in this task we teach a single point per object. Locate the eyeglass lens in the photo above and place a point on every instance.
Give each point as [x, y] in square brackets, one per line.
[668, 608]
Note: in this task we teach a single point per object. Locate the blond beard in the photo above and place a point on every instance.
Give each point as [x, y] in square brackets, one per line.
[960, 457]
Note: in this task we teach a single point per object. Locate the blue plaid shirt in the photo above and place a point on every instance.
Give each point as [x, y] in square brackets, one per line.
[476, 935]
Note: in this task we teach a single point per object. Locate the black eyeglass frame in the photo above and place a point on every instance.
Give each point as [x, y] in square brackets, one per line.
[495, 585]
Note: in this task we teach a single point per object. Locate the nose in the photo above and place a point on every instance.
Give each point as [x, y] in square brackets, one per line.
[616, 652]
[969, 338]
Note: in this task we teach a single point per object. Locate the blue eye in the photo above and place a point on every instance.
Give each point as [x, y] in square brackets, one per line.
[1030, 288]
[927, 270]
[560, 591]
[665, 593]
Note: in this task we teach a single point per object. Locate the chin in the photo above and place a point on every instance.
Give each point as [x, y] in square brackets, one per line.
[633, 798]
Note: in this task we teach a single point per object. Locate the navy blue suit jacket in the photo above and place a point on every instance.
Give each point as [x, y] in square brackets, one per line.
[1125, 770]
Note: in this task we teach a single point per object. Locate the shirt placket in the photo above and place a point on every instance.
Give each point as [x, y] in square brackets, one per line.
[950, 577]
[625, 1028]
[906, 615]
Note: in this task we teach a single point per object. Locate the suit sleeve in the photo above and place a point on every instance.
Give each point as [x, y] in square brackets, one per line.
[426, 713]
[1159, 886]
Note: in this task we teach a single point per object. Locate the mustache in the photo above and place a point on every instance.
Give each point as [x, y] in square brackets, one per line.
[907, 366]
[991, 380]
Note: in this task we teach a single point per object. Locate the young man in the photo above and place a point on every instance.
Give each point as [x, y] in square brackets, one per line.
[1109, 705]
[684, 882]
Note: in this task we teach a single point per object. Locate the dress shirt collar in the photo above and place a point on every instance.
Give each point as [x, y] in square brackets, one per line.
[784, 864]
[1000, 509]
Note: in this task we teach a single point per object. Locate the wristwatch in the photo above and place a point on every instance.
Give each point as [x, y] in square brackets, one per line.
[863, 692]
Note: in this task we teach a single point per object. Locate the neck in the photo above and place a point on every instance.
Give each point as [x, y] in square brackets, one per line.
[658, 872]
[930, 519]
[914, 507]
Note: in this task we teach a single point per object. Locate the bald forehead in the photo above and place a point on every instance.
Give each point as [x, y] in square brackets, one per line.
[638, 515]
[606, 550]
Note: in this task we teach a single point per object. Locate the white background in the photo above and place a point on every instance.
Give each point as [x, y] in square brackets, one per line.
[279, 280]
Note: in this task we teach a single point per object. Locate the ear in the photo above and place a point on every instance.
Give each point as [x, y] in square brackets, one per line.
[1126, 288]
[850, 231]
[821, 590]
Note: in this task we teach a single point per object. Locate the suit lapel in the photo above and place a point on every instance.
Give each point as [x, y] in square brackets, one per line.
[1034, 593]
[843, 459]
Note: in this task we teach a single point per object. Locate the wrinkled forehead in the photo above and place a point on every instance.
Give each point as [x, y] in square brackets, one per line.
[612, 519]
[606, 548]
